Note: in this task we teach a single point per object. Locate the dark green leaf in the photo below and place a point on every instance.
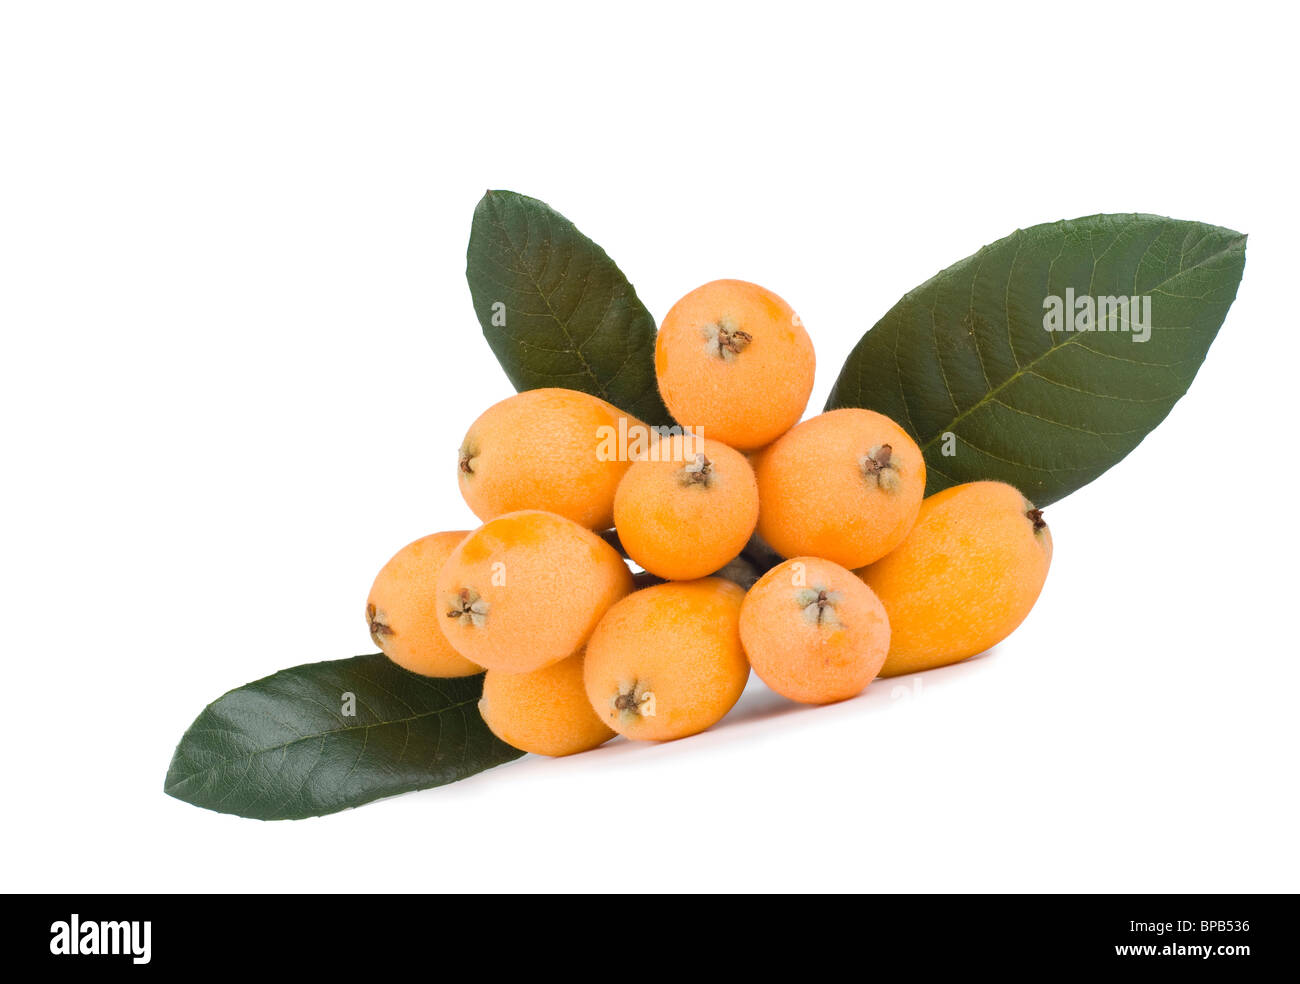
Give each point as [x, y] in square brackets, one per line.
[281, 748]
[556, 310]
[967, 354]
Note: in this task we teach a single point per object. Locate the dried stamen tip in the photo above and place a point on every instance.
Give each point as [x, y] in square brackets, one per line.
[734, 341]
[468, 605]
[697, 472]
[379, 629]
[725, 340]
[878, 465]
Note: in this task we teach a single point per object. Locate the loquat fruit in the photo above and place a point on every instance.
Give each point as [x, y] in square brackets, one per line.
[402, 610]
[733, 359]
[526, 589]
[813, 631]
[966, 576]
[666, 661]
[544, 711]
[545, 449]
[845, 486]
[687, 508]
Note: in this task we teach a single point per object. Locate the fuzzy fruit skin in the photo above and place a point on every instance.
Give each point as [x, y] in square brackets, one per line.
[680, 525]
[404, 613]
[541, 582]
[545, 712]
[541, 449]
[816, 500]
[751, 397]
[809, 653]
[677, 642]
[965, 577]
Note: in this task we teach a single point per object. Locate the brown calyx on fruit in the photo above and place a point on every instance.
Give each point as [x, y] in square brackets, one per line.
[379, 629]
[878, 465]
[818, 605]
[1036, 517]
[624, 702]
[468, 605]
[465, 462]
[633, 701]
[697, 472]
[726, 340]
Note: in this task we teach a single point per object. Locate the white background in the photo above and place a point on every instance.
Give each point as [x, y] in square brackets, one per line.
[239, 356]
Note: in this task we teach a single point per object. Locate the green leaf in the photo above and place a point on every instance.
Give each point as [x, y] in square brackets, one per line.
[556, 310]
[966, 354]
[281, 748]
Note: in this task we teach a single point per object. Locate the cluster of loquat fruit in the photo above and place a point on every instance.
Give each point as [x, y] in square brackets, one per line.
[878, 580]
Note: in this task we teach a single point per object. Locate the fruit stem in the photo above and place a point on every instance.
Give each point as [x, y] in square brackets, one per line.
[761, 555]
[610, 536]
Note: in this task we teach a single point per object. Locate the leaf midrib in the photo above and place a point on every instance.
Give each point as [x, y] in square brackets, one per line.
[313, 737]
[561, 322]
[1021, 370]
